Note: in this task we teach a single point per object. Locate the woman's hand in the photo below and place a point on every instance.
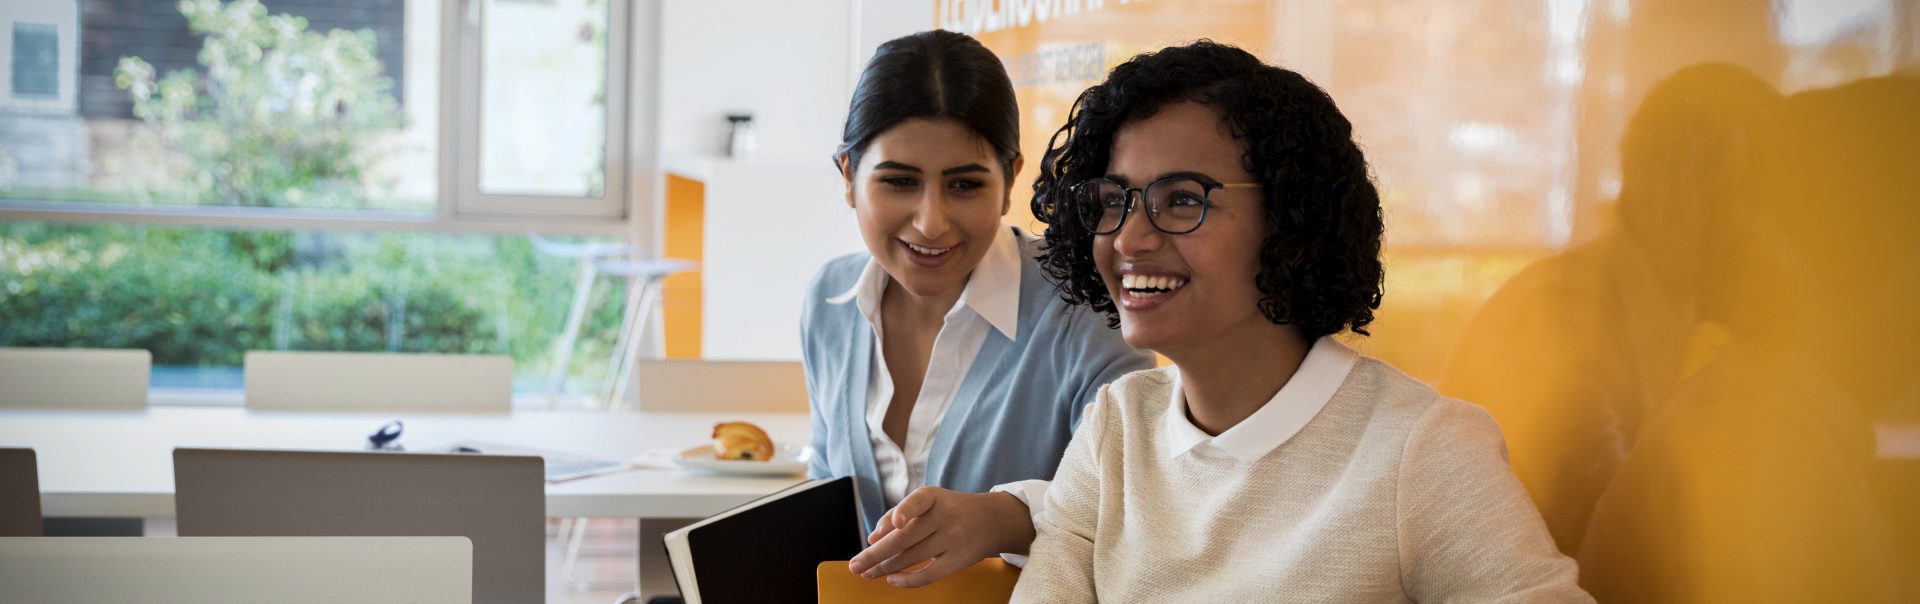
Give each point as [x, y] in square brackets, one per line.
[954, 530]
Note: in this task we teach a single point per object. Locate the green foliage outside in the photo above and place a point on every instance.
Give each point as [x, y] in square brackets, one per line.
[192, 298]
[280, 118]
[281, 115]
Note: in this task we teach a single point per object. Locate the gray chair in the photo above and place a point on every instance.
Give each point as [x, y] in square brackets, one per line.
[497, 501]
[236, 569]
[19, 494]
[731, 386]
[74, 378]
[378, 381]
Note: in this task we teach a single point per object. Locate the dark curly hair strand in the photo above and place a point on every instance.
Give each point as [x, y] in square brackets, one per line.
[1320, 267]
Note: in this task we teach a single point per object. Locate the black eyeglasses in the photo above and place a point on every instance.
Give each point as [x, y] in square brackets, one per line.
[1176, 204]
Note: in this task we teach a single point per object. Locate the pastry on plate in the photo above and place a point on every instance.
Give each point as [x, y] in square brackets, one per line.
[741, 441]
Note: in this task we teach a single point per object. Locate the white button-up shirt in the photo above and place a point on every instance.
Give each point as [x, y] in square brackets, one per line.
[991, 300]
[1321, 373]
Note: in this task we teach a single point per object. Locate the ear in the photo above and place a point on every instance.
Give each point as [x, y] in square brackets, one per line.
[846, 175]
[1006, 201]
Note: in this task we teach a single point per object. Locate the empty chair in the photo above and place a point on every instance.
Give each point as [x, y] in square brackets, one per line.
[236, 569]
[366, 381]
[74, 378]
[497, 501]
[19, 494]
[732, 386]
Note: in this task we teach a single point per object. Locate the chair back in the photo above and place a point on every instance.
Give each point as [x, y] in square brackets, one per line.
[74, 378]
[19, 494]
[498, 502]
[361, 381]
[734, 386]
[236, 569]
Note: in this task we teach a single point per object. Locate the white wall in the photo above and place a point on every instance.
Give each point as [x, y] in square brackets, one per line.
[770, 227]
[784, 62]
[772, 219]
[877, 21]
[790, 64]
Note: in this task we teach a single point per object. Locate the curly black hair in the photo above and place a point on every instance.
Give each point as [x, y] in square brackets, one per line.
[1320, 265]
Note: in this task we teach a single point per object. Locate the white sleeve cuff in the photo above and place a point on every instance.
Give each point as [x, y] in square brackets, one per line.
[1033, 493]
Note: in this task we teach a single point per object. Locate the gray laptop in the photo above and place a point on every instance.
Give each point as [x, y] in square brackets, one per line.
[498, 502]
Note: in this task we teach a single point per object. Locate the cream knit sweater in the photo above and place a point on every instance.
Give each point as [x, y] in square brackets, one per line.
[1392, 493]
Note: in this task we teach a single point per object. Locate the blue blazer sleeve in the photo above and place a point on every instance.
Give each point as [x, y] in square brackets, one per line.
[1102, 358]
[817, 465]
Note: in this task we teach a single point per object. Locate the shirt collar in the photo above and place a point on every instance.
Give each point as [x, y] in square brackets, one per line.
[992, 291]
[1310, 389]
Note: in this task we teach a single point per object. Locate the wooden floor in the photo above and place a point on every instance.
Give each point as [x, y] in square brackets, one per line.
[607, 566]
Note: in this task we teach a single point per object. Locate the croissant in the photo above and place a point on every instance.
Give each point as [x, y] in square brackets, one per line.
[741, 441]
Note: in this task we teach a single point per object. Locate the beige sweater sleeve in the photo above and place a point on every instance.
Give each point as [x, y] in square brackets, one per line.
[1468, 531]
[1060, 563]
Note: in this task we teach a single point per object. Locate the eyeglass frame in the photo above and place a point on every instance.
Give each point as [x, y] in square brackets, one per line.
[1207, 186]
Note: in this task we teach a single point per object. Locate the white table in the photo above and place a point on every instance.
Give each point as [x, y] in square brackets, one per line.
[120, 464]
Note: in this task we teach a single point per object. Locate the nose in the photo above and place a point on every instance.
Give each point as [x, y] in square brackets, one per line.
[931, 217]
[1137, 236]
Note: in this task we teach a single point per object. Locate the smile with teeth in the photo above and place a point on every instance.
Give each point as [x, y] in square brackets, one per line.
[928, 251]
[1147, 286]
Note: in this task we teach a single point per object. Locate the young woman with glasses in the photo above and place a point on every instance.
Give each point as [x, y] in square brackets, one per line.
[1219, 210]
[940, 363]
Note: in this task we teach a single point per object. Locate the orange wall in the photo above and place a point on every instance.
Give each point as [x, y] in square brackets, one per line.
[685, 239]
[1665, 242]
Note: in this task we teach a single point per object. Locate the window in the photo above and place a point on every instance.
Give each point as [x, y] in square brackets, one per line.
[351, 175]
[541, 103]
[401, 112]
[36, 60]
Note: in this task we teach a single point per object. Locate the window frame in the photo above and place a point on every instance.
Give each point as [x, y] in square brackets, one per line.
[459, 207]
[465, 106]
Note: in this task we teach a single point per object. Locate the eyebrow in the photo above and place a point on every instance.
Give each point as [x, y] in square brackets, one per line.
[894, 165]
[1187, 173]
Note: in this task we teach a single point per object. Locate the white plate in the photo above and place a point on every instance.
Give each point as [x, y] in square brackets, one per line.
[788, 458]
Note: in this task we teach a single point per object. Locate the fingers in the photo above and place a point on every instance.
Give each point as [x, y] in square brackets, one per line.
[941, 567]
[916, 554]
[873, 562]
[917, 504]
[882, 529]
[898, 530]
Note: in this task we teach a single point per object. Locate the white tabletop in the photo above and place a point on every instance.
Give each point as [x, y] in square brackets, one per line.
[106, 463]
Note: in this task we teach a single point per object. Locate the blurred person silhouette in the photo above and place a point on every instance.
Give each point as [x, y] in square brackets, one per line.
[1759, 479]
[1573, 354]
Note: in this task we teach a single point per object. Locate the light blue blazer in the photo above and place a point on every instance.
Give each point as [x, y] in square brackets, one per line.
[1014, 413]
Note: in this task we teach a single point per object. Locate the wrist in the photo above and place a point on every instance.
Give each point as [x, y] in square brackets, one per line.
[1013, 523]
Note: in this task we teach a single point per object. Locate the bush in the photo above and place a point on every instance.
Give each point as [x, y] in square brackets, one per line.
[281, 115]
[194, 297]
[179, 294]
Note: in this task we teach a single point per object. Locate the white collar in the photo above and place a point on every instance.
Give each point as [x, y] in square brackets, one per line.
[1320, 375]
[992, 291]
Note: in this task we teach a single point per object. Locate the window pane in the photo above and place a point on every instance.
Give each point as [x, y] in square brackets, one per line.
[317, 104]
[543, 98]
[36, 57]
[200, 298]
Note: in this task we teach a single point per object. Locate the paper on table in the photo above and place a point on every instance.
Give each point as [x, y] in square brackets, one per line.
[655, 459]
[560, 466]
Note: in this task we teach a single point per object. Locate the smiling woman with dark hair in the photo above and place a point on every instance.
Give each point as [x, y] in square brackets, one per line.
[1218, 210]
[939, 362]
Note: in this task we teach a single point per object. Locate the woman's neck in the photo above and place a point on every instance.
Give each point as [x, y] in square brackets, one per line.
[1229, 377]
[903, 308]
